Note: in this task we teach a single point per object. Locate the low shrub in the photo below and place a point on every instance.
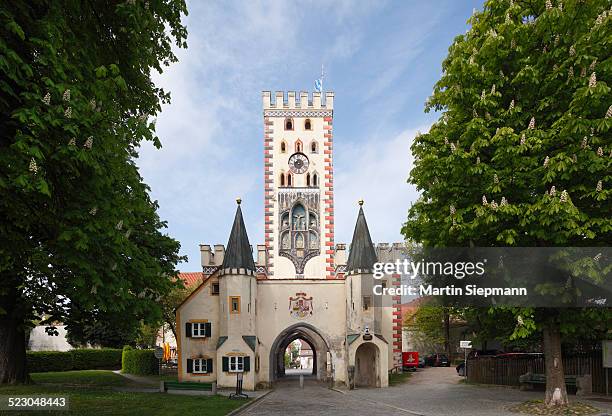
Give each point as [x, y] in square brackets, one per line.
[139, 362]
[77, 359]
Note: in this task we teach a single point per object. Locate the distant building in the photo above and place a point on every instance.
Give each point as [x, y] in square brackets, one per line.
[41, 341]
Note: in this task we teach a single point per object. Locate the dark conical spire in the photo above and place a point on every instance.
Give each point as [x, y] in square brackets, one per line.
[362, 254]
[238, 252]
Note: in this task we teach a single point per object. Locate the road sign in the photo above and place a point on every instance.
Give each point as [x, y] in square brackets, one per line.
[465, 344]
[159, 353]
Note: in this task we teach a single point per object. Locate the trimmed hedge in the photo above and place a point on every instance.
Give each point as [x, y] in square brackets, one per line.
[78, 359]
[139, 362]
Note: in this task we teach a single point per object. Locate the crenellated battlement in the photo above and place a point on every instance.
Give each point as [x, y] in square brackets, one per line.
[302, 101]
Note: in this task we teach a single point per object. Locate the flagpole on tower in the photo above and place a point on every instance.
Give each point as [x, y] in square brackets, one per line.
[322, 75]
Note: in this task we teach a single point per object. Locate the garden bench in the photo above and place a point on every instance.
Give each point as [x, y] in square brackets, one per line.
[187, 385]
[531, 379]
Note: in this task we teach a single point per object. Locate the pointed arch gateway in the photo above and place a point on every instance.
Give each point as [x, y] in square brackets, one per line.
[322, 363]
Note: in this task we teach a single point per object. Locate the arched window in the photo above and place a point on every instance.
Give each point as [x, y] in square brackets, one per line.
[289, 179]
[315, 179]
[313, 147]
[298, 146]
[288, 124]
[308, 179]
[282, 179]
[307, 124]
[283, 147]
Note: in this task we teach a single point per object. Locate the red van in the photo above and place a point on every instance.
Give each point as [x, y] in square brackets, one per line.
[410, 360]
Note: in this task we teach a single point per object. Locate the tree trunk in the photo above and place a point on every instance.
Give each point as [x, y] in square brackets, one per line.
[13, 368]
[447, 346]
[556, 393]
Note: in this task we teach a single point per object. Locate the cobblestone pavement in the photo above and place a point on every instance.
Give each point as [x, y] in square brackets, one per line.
[429, 392]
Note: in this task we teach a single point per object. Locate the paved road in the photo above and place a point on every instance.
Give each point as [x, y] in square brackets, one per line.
[430, 392]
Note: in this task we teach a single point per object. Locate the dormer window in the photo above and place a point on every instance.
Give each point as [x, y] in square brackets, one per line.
[288, 124]
[307, 124]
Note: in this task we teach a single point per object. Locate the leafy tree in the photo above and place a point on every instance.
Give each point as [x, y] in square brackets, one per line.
[78, 226]
[171, 301]
[521, 155]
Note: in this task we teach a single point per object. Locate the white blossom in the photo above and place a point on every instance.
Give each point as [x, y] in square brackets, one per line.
[72, 142]
[599, 186]
[557, 38]
[572, 51]
[531, 123]
[478, 160]
[522, 139]
[609, 112]
[33, 166]
[471, 60]
[93, 211]
[544, 49]
[482, 95]
[68, 112]
[561, 6]
[570, 72]
[143, 117]
[452, 210]
[511, 105]
[520, 321]
[453, 147]
[503, 202]
[555, 67]
[484, 200]
[564, 196]
[474, 113]
[493, 89]
[128, 233]
[92, 104]
[495, 178]
[508, 20]
[600, 151]
[546, 160]
[593, 80]
[454, 222]
[66, 96]
[492, 33]
[584, 142]
[88, 142]
[494, 205]
[119, 225]
[597, 257]
[446, 141]
[574, 158]
[549, 5]
[553, 190]
[592, 66]
[512, 43]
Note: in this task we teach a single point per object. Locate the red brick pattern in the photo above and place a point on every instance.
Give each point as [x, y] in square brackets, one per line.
[268, 194]
[396, 280]
[328, 197]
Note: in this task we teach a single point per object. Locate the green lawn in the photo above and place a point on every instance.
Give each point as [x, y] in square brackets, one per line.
[93, 393]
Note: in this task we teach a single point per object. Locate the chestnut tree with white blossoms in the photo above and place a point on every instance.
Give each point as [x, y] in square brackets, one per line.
[522, 152]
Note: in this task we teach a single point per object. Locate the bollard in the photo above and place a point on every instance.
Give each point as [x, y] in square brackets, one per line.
[301, 381]
[162, 387]
[214, 387]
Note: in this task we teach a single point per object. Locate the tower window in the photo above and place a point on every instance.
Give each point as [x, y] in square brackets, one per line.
[298, 146]
[283, 147]
[215, 289]
[308, 179]
[367, 302]
[282, 179]
[313, 147]
[307, 124]
[234, 304]
[289, 179]
[315, 179]
[288, 124]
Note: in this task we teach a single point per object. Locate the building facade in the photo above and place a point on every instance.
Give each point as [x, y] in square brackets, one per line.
[301, 285]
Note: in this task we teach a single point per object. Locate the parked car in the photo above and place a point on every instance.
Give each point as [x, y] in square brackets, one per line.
[421, 362]
[437, 360]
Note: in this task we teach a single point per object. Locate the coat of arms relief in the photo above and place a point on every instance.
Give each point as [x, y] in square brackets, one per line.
[300, 306]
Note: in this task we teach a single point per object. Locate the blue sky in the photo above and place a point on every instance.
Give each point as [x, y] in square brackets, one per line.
[381, 60]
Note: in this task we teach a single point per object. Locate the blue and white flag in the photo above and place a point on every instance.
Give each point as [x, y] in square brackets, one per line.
[319, 85]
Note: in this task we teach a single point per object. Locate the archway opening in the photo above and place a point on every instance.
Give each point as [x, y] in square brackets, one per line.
[366, 365]
[300, 358]
[300, 350]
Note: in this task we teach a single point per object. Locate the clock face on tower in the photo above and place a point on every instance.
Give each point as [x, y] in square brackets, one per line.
[298, 163]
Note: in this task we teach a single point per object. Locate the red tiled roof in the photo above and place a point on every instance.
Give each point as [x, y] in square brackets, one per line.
[191, 278]
[411, 307]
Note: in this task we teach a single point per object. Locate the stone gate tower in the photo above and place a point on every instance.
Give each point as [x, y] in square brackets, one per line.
[299, 191]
